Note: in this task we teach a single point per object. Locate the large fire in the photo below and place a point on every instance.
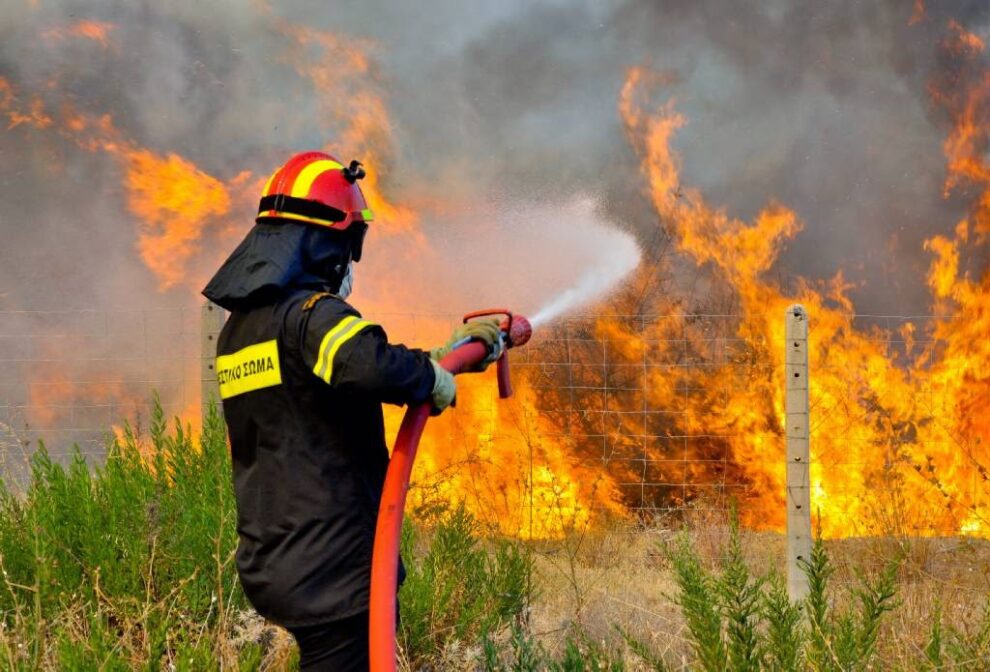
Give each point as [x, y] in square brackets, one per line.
[898, 437]
[899, 427]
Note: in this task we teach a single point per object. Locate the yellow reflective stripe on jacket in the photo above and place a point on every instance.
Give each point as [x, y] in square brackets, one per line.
[346, 329]
[252, 368]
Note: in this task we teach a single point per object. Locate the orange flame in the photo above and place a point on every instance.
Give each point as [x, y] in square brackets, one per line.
[173, 200]
[502, 459]
[353, 109]
[895, 441]
[899, 436]
[97, 31]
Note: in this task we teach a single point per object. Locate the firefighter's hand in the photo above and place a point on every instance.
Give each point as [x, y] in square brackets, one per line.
[485, 330]
[444, 388]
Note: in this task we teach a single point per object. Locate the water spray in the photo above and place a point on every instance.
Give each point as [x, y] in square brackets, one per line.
[466, 355]
[611, 265]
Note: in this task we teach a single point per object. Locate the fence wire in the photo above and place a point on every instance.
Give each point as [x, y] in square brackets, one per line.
[67, 378]
[630, 408]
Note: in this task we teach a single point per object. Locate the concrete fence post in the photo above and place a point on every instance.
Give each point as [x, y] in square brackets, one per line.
[799, 536]
[211, 321]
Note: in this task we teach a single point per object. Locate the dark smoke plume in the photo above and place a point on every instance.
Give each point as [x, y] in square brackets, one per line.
[822, 106]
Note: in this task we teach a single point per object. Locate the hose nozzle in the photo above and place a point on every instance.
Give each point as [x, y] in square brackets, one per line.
[516, 328]
[517, 331]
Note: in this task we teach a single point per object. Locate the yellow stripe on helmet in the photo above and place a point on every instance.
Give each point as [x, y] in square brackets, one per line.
[298, 218]
[268, 185]
[304, 181]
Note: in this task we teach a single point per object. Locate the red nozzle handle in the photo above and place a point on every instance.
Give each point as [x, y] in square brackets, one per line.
[504, 376]
[487, 313]
[502, 364]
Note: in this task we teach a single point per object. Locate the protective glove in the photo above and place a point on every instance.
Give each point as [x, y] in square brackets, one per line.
[444, 388]
[485, 330]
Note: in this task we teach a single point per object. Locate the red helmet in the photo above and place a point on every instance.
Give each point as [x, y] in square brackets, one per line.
[316, 188]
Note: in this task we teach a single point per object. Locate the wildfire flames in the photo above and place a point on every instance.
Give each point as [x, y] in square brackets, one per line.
[899, 427]
[898, 438]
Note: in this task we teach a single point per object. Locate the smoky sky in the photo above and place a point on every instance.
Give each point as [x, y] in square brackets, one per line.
[820, 106]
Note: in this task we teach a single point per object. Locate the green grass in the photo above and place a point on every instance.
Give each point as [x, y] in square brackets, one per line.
[129, 565]
[457, 590]
[124, 564]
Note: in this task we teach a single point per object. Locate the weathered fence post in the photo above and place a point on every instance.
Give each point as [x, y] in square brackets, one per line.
[799, 537]
[211, 321]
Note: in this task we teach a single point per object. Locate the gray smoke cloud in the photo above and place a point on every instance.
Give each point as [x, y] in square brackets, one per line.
[822, 106]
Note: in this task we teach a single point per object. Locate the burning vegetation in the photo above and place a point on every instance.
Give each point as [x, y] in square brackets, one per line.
[661, 399]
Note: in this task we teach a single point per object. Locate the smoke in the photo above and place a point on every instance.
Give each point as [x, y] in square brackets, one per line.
[611, 256]
[822, 106]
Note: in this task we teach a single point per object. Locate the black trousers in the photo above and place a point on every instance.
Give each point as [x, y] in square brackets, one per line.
[338, 646]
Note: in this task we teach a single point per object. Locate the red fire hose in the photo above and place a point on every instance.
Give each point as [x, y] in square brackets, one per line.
[516, 331]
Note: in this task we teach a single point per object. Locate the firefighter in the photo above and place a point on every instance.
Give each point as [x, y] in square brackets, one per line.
[302, 378]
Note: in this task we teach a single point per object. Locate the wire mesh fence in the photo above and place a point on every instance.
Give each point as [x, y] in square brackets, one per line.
[594, 385]
[69, 377]
[644, 415]
[897, 446]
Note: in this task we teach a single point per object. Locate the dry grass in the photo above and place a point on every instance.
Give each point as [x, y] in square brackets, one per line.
[619, 577]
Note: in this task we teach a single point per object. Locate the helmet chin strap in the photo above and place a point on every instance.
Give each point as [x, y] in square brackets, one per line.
[347, 282]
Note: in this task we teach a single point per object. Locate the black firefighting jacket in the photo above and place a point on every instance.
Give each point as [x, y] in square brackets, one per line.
[302, 383]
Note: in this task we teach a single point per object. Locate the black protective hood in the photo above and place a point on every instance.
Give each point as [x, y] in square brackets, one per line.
[275, 259]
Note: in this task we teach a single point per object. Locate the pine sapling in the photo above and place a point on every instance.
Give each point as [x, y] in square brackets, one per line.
[697, 597]
[876, 599]
[818, 570]
[934, 647]
[739, 597]
[784, 635]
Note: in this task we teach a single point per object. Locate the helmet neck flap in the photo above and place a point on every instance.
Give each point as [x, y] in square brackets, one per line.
[276, 259]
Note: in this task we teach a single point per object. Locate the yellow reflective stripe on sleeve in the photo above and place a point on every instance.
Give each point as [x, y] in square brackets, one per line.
[328, 340]
[367, 215]
[304, 181]
[348, 328]
[252, 368]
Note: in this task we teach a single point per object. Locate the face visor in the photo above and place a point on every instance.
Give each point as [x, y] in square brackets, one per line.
[357, 232]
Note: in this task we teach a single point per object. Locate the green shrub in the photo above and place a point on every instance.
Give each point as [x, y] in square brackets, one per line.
[105, 565]
[129, 565]
[743, 623]
[969, 649]
[784, 635]
[843, 640]
[458, 590]
[699, 605]
[521, 652]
